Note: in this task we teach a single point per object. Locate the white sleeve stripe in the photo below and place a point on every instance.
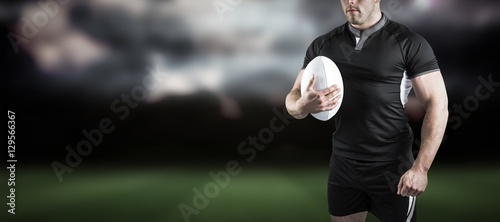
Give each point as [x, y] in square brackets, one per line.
[411, 208]
[404, 88]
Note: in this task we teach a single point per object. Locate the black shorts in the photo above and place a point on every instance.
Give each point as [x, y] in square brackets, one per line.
[356, 186]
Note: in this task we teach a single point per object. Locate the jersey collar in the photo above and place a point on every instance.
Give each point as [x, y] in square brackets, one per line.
[367, 32]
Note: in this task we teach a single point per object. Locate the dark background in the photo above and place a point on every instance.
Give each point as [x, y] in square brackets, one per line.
[52, 111]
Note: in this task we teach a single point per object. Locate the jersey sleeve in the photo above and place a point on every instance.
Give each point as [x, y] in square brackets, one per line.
[312, 52]
[419, 58]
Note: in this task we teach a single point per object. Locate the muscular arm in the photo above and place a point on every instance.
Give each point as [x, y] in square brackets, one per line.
[431, 93]
[293, 97]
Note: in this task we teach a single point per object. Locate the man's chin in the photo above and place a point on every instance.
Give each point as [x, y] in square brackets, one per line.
[354, 22]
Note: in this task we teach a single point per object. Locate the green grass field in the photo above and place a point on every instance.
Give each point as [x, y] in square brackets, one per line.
[258, 194]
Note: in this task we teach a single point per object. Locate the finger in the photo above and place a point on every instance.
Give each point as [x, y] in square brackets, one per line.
[400, 186]
[403, 186]
[336, 98]
[403, 191]
[310, 87]
[330, 99]
[325, 107]
[419, 191]
[333, 94]
[332, 103]
[334, 89]
[406, 189]
[412, 192]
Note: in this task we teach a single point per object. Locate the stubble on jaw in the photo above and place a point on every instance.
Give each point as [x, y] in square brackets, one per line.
[358, 18]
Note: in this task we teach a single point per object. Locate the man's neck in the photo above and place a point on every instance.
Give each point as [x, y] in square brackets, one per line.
[371, 21]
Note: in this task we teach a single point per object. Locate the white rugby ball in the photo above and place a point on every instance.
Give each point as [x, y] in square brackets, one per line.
[327, 74]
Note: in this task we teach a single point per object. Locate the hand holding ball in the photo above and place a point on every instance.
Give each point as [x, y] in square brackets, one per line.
[322, 88]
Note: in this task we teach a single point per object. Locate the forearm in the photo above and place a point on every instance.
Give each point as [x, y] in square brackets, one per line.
[432, 133]
[292, 105]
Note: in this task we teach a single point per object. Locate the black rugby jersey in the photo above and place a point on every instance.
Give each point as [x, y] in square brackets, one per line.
[376, 66]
